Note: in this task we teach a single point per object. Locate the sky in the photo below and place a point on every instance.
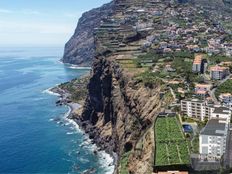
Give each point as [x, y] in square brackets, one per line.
[41, 22]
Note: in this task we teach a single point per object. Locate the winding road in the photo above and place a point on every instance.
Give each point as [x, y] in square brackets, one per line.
[212, 92]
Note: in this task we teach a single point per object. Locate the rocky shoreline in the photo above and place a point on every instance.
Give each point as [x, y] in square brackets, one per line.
[92, 132]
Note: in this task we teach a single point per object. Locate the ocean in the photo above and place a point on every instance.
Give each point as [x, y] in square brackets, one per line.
[35, 136]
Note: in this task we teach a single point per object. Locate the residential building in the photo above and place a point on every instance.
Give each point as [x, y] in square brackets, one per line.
[220, 112]
[197, 64]
[196, 109]
[218, 72]
[226, 99]
[212, 139]
[202, 89]
[202, 110]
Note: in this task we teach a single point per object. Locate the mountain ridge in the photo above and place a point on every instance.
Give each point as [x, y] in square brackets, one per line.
[80, 49]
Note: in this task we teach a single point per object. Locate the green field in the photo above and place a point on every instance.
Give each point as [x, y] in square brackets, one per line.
[171, 146]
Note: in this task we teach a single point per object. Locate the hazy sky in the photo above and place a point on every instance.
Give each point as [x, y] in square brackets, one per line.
[41, 22]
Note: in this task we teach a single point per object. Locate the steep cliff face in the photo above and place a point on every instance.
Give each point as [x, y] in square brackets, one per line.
[80, 48]
[119, 114]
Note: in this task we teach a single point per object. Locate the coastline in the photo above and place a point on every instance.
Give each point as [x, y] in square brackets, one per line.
[74, 111]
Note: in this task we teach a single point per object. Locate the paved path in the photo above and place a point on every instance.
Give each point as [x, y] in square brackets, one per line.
[212, 92]
[173, 93]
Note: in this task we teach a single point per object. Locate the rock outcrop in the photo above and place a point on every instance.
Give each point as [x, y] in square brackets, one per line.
[118, 112]
[80, 49]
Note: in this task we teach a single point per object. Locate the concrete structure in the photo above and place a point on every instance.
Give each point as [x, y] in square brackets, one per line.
[202, 110]
[202, 89]
[220, 112]
[213, 139]
[197, 64]
[218, 72]
[226, 99]
[196, 109]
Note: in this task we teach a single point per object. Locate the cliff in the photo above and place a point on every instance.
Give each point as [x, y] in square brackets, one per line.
[118, 115]
[125, 92]
[80, 48]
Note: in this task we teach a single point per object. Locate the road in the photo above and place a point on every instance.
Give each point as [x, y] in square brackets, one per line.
[212, 92]
[173, 93]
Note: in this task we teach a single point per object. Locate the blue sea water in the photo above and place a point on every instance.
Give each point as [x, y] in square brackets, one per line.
[30, 142]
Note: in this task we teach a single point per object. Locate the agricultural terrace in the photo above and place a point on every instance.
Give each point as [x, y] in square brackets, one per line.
[171, 145]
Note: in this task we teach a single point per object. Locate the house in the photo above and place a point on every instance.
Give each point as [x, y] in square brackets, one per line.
[212, 139]
[202, 89]
[226, 99]
[226, 64]
[199, 64]
[169, 68]
[218, 72]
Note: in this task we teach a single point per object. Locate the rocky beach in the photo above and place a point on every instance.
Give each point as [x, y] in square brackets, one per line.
[74, 115]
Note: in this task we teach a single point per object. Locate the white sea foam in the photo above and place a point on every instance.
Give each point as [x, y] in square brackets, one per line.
[106, 161]
[73, 66]
[48, 91]
[51, 119]
[78, 67]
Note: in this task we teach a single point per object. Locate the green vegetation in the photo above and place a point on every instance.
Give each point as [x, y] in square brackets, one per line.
[149, 79]
[195, 144]
[123, 163]
[224, 88]
[215, 59]
[171, 145]
[77, 88]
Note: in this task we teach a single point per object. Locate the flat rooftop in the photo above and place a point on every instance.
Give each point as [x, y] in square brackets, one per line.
[221, 110]
[214, 127]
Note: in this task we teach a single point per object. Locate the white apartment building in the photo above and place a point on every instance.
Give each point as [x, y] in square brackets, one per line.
[221, 112]
[202, 110]
[196, 109]
[213, 139]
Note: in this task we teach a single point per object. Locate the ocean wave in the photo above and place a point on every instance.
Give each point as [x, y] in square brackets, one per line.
[48, 91]
[51, 119]
[105, 159]
[71, 133]
[78, 67]
[107, 162]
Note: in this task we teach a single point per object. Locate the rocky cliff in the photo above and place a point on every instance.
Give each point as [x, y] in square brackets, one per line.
[121, 107]
[118, 115]
[80, 48]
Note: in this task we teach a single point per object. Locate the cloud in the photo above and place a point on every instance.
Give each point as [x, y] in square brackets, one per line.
[6, 11]
[36, 27]
[30, 12]
[23, 11]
